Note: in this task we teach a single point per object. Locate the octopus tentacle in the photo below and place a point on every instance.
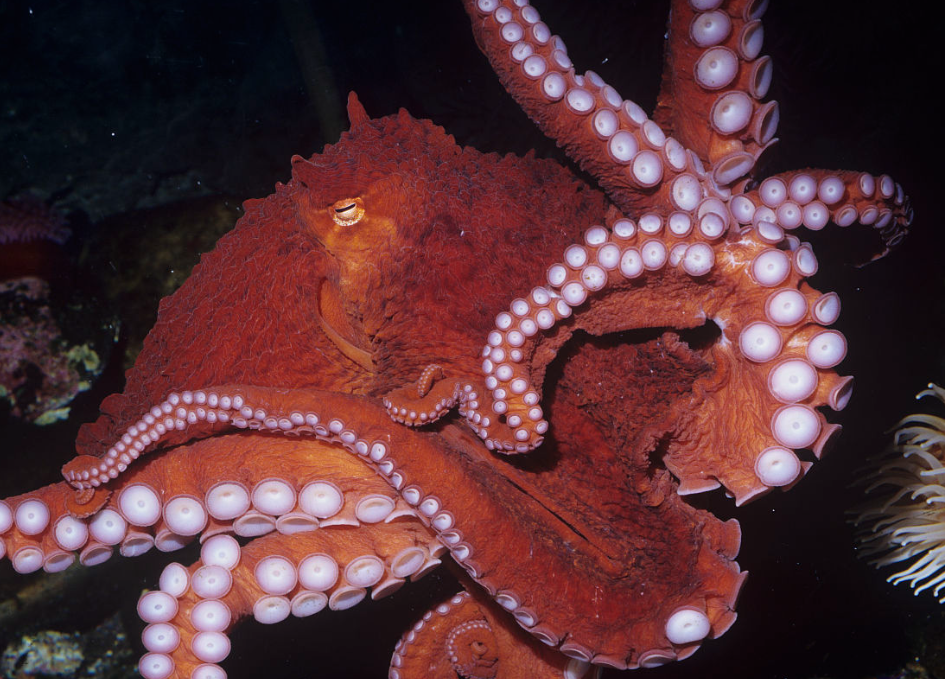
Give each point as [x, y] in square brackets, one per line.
[611, 138]
[713, 84]
[271, 578]
[463, 636]
[773, 344]
[814, 197]
[428, 400]
[259, 487]
[701, 576]
[452, 639]
[713, 74]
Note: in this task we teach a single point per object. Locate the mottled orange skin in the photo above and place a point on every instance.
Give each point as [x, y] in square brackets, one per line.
[262, 324]
[446, 235]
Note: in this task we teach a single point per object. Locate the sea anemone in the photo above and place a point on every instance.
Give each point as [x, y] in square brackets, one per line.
[904, 518]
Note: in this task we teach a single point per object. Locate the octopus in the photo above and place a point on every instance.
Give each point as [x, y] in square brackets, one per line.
[415, 356]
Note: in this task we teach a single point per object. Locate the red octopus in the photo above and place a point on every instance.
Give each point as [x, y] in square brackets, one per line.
[397, 276]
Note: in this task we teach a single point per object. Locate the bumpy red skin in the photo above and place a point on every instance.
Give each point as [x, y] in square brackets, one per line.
[645, 537]
[448, 231]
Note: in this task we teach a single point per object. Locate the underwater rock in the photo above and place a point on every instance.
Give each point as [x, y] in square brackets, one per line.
[102, 652]
[41, 371]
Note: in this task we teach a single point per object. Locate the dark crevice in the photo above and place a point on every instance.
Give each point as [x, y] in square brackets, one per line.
[551, 511]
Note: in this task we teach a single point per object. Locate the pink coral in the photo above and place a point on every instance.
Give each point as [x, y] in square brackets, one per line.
[40, 370]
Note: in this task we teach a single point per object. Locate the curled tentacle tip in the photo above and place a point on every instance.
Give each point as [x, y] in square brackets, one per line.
[73, 470]
[87, 501]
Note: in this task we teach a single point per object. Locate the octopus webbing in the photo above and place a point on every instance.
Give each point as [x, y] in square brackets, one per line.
[333, 499]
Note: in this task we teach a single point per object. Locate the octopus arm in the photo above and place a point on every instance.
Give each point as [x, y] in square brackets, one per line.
[243, 484]
[713, 73]
[425, 401]
[771, 366]
[814, 197]
[471, 637]
[271, 578]
[322, 534]
[626, 568]
[707, 133]
[609, 137]
[455, 491]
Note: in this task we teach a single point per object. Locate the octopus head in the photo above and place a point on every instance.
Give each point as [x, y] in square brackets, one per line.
[356, 226]
[355, 221]
[361, 202]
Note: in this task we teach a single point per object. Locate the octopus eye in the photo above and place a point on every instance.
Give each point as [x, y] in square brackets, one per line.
[347, 212]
